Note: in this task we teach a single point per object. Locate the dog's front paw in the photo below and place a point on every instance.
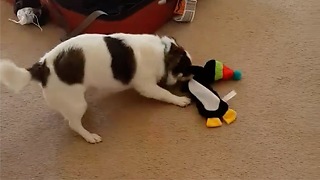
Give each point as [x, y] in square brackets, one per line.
[93, 138]
[183, 101]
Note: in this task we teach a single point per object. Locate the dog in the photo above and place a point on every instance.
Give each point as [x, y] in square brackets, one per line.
[114, 63]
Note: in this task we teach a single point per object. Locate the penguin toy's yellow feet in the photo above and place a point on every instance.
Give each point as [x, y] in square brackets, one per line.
[230, 116]
[213, 122]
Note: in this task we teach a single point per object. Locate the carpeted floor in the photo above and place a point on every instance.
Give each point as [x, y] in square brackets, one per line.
[276, 136]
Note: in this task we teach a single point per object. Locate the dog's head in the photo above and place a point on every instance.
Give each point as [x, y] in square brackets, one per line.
[177, 60]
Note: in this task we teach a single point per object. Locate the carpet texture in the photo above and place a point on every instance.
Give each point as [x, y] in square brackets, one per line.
[276, 136]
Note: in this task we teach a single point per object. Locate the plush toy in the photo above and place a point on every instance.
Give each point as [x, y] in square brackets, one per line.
[30, 12]
[185, 11]
[208, 101]
[215, 70]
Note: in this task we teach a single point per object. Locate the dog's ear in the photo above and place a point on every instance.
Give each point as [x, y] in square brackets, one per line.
[173, 56]
[176, 50]
[171, 37]
[179, 62]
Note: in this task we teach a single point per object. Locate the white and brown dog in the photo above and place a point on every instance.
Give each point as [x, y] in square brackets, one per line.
[113, 62]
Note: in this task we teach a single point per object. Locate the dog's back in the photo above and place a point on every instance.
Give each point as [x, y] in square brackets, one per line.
[106, 61]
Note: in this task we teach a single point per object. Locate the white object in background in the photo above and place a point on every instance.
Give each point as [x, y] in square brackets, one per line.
[188, 12]
[26, 16]
[162, 2]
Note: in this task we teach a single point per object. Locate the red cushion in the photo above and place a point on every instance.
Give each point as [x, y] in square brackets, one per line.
[147, 20]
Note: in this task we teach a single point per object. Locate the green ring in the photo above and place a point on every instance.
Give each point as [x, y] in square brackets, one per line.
[219, 71]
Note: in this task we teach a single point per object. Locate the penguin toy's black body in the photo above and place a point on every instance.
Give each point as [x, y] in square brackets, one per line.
[208, 101]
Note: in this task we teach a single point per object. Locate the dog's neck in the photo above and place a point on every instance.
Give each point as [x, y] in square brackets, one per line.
[164, 78]
[166, 47]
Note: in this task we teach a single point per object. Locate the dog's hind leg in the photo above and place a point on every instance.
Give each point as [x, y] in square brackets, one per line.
[70, 102]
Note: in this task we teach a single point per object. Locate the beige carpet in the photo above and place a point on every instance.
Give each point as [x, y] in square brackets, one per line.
[276, 136]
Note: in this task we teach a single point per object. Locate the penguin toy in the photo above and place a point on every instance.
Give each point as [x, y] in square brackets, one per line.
[208, 102]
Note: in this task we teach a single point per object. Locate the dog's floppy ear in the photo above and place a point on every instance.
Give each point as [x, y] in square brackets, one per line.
[176, 51]
[174, 56]
[178, 61]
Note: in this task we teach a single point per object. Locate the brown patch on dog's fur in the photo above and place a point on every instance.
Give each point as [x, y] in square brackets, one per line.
[176, 61]
[123, 62]
[40, 72]
[69, 66]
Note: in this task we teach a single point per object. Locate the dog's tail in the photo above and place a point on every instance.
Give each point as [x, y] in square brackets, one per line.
[16, 78]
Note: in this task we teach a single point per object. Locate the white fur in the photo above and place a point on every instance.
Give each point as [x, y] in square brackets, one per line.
[13, 77]
[69, 100]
